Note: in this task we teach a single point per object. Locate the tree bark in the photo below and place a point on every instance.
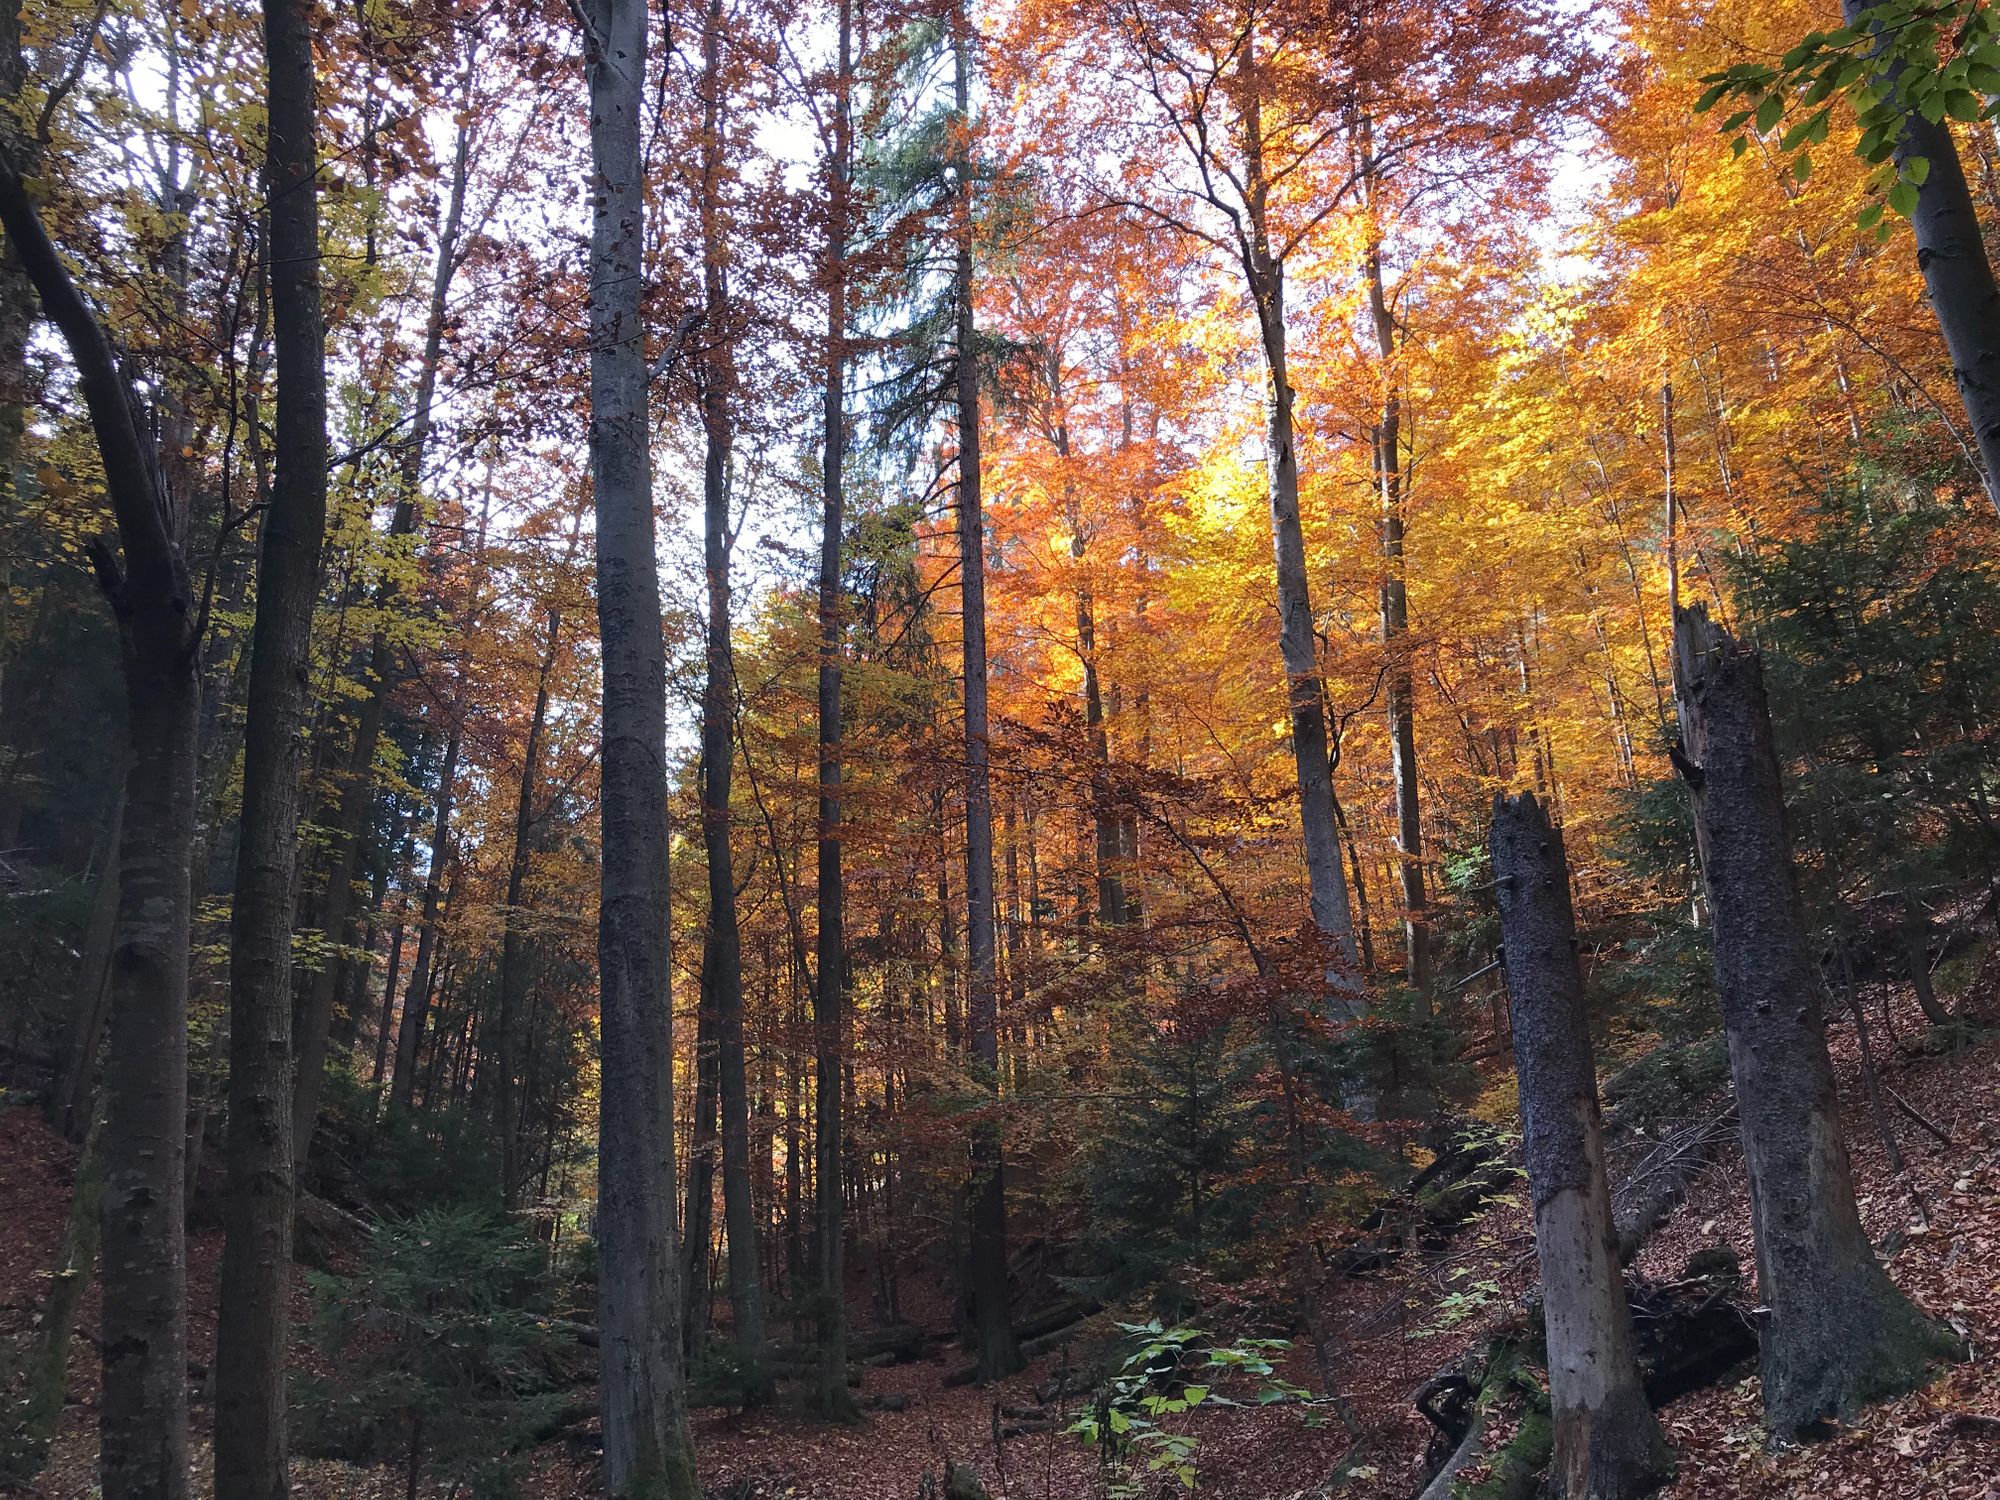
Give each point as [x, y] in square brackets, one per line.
[830, 1392]
[416, 997]
[76, 1068]
[1395, 611]
[698, 1221]
[1264, 274]
[718, 712]
[513, 983]
[1608, 1445]
[999, 1352]
[1840, 1333]
[1951, 253]
[647, 1452]
[357, 795]
[254, 1319]
[142, 1423]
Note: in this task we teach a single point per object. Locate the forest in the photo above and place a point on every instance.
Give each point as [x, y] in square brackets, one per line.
[999, 749]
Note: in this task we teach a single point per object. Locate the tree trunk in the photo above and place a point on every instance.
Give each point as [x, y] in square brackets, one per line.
[254, 1320]
[1608, 1446]
[999, 1352]
[76, 1069]
[416, 998]
[142, 1424]
[1958, 277]
[718, 711]
[647, 1452]
[1840, 1333]
[1297, 644]
[31, 1428]
[830, 1392]
[357, 796]
[514, 943]
[698, 1221]
[1395, 615]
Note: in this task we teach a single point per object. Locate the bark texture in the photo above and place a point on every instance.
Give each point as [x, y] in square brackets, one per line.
[1608, 1446]
[830, 1392]
[647, 1452]
[142, 1417]
[999, 1351]
[254, 1323]
[1840, 1334]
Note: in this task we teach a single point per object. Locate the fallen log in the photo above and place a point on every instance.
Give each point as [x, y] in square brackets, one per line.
[1490, 1410]
[1659, 1181]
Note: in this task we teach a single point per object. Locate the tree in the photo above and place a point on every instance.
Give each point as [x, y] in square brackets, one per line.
[722, 960]
[830, 987]
[1840, 1333]
[647, 1453]
[254, 1325]
[999, 1353]
[1607, 1441]
[143, 1417]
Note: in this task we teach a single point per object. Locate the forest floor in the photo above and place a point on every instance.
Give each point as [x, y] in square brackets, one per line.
[1398, 1328]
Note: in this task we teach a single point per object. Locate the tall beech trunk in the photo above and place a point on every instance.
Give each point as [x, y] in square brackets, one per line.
[254, 1320]
[647, 1451]
[513, 984]
[698, 1220]
[999, 1351]
[357, 794]
[71, 1089]
[1951, 254]
[1264, 273]
[830, 1393]
[1840, 1334]
[416, 997]
[724, 964]
[31, 1427]
[1608, 1446]
[142, 1416]
[1395, 612]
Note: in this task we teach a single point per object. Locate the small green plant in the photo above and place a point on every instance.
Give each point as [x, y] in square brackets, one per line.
[1459, 1306]
[1173, 1371]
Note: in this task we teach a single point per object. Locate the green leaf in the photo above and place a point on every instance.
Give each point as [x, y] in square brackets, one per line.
[1869, 217]
[1770, 112]
[1710, 96]
[1903, 198]
[1196, 1394]
[1802, 168]
[1962, 105]
[1917, 169]
[1799, 133]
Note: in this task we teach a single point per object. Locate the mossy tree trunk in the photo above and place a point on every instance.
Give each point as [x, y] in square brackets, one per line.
[1840, 1334]
[1608, 1446]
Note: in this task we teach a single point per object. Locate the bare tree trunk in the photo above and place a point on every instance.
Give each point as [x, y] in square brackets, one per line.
[416, 998]
[1265, 274]
[999, 1352]
[830, 1392]
[1608, 1445]
[76, 1068]
[254, 1321]
[1840, 1334]
[1395, 613]
[513, 982]
[31, 1427]
[718, 712]
[142, 1424]
[698, 1220]
[357, 796]
[647, 1451]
